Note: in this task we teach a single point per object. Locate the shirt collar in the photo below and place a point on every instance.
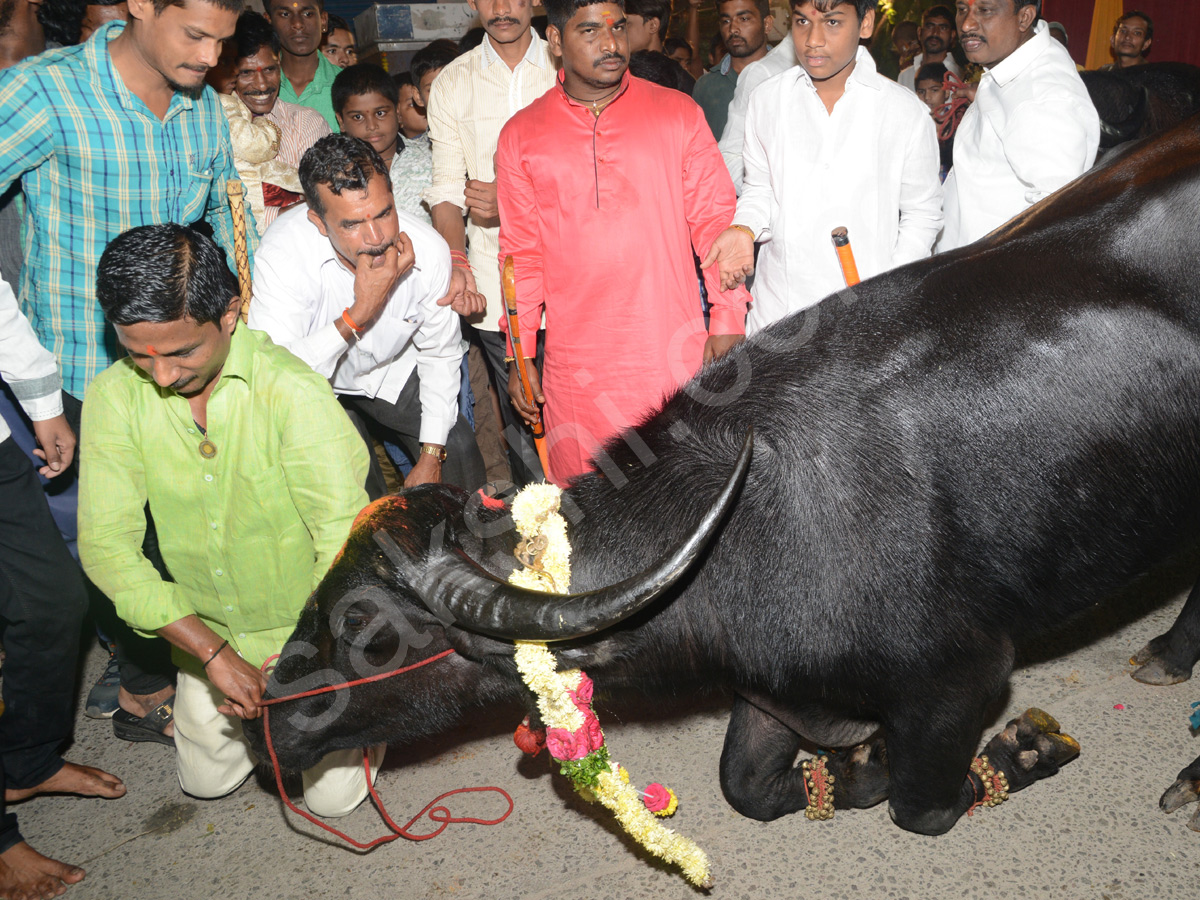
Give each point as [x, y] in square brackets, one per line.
[626, 80]
[239, 363]
[1020, 59]
[864, 73]
[535, 55]
[110, 79]
[726, 62]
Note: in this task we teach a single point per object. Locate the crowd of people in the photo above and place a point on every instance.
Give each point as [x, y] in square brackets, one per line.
[203, 456]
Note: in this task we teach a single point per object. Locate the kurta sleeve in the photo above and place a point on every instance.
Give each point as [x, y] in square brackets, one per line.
[325, 464]
[1050, 142]
[519, 236]
[28, 368]
[439, 345]
[709, 203]
[756, 203]
[449, 157]
[112, 518]
[920, 193]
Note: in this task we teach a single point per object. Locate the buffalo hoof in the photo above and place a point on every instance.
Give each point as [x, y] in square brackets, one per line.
[1185, 790]
[862, 775]
[1155, 665]
[1030, 748]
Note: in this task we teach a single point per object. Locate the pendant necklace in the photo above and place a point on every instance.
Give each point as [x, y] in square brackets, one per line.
[207, 448]
[596, 105]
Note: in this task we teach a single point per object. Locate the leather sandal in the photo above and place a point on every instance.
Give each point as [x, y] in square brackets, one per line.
[149, 727]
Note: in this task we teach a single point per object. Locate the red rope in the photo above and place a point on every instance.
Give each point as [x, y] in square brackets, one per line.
[439, 814]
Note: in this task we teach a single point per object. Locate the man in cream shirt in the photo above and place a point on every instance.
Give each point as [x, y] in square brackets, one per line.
[1031, 129]
[469, 102]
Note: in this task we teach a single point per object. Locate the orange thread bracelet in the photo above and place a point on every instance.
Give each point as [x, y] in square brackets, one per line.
[350, 322]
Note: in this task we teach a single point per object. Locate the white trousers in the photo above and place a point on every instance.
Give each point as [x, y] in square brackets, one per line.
[214, 758]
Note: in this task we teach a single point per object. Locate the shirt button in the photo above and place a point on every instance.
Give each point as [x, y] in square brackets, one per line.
[191, 431]
[213, 525]
[208, 478]
[229, 609]
[242, 635]
[220, 572]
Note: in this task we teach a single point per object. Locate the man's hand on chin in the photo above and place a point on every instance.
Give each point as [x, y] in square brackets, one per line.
[427, 470]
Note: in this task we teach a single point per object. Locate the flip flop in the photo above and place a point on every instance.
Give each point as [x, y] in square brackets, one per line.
[149, 727]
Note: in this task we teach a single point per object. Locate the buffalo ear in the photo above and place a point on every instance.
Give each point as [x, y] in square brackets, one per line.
[477, 647]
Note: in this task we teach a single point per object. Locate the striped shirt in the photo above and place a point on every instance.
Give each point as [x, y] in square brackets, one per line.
[469, 102]
[299, 128]
[95, 161]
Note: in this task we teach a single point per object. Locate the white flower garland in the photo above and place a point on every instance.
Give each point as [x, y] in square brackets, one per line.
[573, 734]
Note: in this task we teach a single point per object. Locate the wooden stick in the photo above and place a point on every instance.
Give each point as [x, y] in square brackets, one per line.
[237, 209]
[509, 283]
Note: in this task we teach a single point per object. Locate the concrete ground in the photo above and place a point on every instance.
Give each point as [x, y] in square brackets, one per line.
[1093, 831]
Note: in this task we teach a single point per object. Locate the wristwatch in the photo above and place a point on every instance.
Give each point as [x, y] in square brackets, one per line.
[438, 452]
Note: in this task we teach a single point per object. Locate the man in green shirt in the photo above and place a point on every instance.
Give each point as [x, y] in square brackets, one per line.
[253, 475]
[307, 74]
[744, 25]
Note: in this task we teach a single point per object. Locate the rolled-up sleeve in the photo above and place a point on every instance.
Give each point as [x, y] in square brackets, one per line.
[438, 339]
[28, 367]
[520, 237]
[449, 157]
[709, 204]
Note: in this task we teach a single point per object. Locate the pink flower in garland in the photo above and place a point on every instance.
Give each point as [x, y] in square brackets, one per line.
[577, 744]
[591, 728]
[659, 800]
[582, 695]
[564, 744]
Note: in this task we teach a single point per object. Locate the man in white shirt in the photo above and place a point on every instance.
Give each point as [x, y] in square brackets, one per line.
[937, 36]
[42, 604]
[1031, 129]
[781, 58]
[469, 102]
[830, 143]
[361, 301]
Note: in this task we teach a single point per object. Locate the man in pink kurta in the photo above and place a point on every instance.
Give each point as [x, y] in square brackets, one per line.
[606, 184]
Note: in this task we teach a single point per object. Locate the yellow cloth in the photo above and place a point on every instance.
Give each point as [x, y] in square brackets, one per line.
[1100, 41]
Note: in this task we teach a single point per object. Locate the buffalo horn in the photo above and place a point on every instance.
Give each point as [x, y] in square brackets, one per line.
[457, 587]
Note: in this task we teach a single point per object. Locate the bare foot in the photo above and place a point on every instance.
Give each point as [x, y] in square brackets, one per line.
[141, 704]
[72, 779]
[27, 875]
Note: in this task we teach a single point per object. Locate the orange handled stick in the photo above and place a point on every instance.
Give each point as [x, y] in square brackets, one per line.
[509, 282]
[841, 243]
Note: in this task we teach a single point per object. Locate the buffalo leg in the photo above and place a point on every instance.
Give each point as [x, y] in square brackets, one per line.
[1168, 658]
[758, 773]
[1186, 789]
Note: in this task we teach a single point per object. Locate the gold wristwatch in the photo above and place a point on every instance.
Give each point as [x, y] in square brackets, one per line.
[438, 452]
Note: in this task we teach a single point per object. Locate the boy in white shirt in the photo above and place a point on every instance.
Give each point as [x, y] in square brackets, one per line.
[829, 143]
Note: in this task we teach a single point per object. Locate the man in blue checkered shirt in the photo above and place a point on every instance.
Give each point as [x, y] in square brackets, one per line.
[108, 135]
[114, 133]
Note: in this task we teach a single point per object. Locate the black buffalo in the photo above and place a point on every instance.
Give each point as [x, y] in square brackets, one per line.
[948, 460]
